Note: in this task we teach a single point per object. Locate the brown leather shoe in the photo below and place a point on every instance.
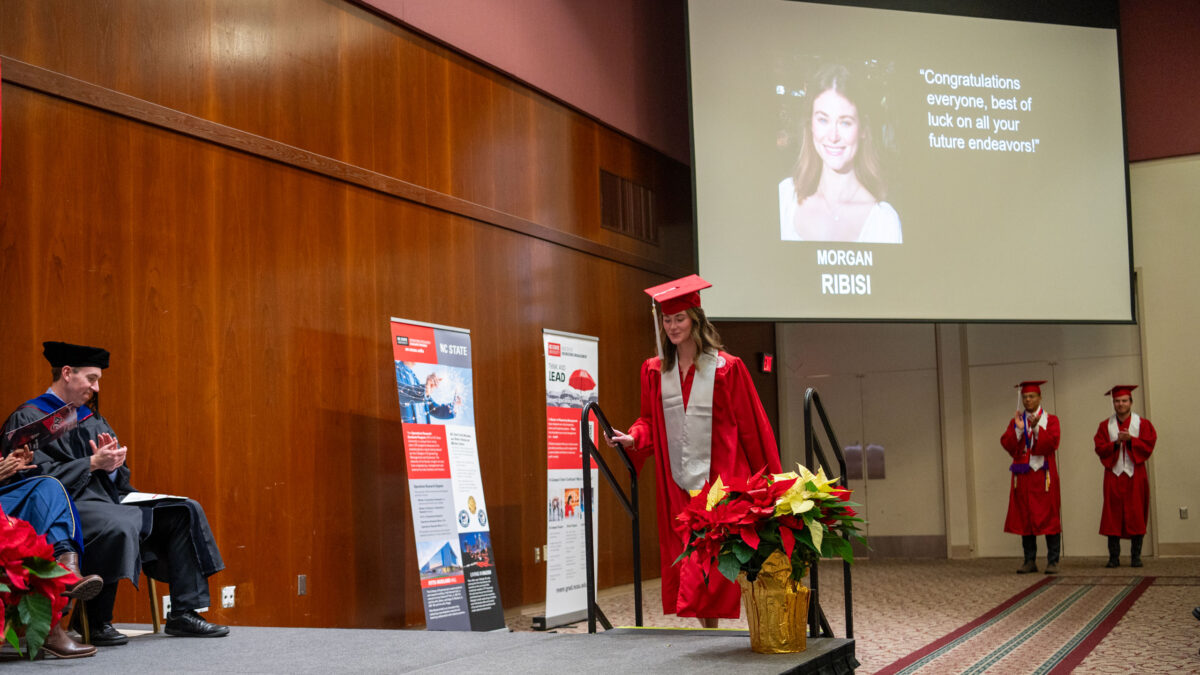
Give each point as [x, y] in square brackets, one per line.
[1051, 568]
[87, 587]
[1028, 567]
[59, 644]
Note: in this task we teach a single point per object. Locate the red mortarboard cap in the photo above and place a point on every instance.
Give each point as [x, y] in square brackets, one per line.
[1031, 385]
[679, 295]
[61, 354]
[1121, 390]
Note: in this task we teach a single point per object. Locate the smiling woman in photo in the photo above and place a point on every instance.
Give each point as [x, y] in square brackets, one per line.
[836, 191]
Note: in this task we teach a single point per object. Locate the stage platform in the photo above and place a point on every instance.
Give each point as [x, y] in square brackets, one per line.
[310, 650]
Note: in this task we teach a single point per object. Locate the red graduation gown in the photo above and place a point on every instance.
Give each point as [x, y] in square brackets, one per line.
[743, 443]
[1034, 502]
[1126, 498]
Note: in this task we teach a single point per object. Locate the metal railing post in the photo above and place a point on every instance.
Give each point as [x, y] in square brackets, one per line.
[812, 451]
[590, 453]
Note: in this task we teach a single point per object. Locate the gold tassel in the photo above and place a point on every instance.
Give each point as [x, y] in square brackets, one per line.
[657, 329]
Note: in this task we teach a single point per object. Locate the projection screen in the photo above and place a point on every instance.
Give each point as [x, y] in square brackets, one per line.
[865, 164]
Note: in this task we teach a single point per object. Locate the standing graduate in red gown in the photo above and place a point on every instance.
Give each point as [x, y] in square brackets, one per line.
[1124, 443]
[1034, 503]
[700, 418]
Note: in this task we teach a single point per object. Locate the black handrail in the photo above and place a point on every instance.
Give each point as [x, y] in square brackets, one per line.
[629, 502]
[818, 625]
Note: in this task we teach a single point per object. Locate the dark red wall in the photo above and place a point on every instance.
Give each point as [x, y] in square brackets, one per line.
[1160, 50]
[624, 61]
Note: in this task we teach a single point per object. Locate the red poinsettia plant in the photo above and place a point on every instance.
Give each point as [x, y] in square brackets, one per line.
[31, 585]
[739, 525]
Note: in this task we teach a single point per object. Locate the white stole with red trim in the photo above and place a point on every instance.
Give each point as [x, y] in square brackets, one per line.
[1123, 465]
[1036, 462]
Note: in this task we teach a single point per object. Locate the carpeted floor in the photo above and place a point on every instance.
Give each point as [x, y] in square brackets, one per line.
[902, 606]
[1047, 628]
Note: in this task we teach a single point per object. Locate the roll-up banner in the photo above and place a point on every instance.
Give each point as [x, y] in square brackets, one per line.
[450, 517]
[572, 362]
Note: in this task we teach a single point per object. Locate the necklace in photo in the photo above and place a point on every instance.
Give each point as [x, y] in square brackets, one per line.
[837, 213]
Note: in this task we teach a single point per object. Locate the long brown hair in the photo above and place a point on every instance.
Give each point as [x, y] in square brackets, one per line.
[704, 335]
[867, 168]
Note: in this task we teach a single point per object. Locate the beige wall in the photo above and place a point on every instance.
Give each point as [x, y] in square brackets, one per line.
[958, 464]
[938, 398]
[863, 372]
[1166, 227]
[1079, 363]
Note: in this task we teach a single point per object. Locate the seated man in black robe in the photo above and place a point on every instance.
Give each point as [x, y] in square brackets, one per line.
[170, 539]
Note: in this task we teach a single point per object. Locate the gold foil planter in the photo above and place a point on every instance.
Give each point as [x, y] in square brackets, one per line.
[776, 608]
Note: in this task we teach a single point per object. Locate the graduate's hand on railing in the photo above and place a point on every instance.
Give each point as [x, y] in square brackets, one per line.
[624, 440]
[108, 455]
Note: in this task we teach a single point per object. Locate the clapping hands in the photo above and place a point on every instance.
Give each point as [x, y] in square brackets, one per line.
[17, 461]
[107, 454]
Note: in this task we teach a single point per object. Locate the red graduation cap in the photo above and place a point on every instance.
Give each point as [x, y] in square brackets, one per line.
[679, 295]
[1031, 385]
[1121, 390]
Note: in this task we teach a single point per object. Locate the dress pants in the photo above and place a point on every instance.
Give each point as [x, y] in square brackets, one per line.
[168, 556]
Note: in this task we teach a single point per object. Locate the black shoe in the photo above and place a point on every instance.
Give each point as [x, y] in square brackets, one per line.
[1136, 562]
[191, 624]
[1196, 613]
[107, 636]
[1113, 562]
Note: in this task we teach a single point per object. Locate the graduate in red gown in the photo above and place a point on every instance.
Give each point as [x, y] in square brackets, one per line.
[700, 418]
[1031, 439]
[1124, 443]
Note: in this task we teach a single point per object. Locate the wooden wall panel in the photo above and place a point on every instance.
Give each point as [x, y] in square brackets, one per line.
[246, 304]
[339, 81]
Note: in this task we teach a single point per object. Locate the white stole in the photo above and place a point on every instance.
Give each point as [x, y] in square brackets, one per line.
[689, 431]
[1123, 465]
[1036, 462]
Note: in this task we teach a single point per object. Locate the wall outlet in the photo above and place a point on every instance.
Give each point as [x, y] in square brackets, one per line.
[227, 596]
[302, 584]
[166, 599]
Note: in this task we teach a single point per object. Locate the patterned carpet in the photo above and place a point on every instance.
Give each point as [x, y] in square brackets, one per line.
[901, 607]
[1047, 628]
